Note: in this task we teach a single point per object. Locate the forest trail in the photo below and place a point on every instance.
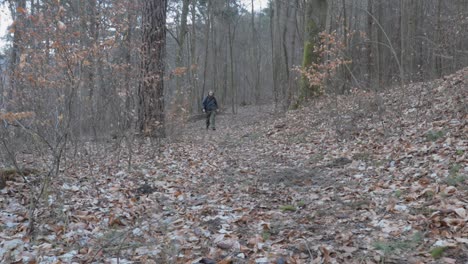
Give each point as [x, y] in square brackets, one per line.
[362, 178]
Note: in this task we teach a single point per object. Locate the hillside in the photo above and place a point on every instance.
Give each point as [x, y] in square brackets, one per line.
[361, 178]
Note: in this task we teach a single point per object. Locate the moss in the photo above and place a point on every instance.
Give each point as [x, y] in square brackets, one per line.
[309, 57]
[8, 172]
[308, 54]
[437, 252]
[434, 135]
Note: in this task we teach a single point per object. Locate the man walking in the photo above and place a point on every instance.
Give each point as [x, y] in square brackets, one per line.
[210, 107]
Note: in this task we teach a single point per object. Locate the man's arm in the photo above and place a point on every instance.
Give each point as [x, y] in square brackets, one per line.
[204, 104]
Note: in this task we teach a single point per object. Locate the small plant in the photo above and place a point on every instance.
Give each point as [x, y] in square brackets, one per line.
[429, 195]
[437, 252]
[455, 180]
[364, 156]
[460, 152]
[301, 204]
[398, 193]
[423, 210]
[434, 135]
[266, 235]
[316, 158]
[455, 169]
[289, 207]
[392, 247]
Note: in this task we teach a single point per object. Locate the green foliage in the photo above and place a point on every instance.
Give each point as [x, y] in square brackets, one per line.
[460, 152]
[429, 195]
[437, 252]
[295, 105]
[364, 156]
[435, 135]
[454, 169]
[455, 180]
[393, 247]
[301, 204]
[289, 207]
[266, 235]
[398, 193]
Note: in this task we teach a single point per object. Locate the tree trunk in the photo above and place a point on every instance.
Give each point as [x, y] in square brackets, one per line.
[15, 87]
[193, 57]
[256, 62]
[316, 17]
[370, 55]
[180, 50]
[207, 49]
[231, 68]
[438, 58]
[285, 60]
[273, 14]
[151, 88]
[344, 68]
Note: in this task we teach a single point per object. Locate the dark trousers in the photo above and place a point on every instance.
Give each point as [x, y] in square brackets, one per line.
[210, 119]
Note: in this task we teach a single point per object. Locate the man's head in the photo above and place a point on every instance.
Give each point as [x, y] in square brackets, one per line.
[210, 93]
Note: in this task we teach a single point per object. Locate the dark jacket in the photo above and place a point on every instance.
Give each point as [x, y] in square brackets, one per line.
[210, 104]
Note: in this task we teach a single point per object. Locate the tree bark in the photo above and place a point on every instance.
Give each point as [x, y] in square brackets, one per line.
[151, 88]
[20, 10]
[316, 17]
[370, 54]
[256, 62]
[180, 51]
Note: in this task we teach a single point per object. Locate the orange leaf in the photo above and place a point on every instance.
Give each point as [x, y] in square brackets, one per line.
[21, 10]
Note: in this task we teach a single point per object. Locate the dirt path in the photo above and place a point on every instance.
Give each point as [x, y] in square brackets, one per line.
[290, 206]
[331, 183]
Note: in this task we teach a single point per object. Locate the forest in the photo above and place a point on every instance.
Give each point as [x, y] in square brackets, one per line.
[341, 131]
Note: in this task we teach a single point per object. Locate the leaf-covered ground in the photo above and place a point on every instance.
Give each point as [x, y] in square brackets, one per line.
[362, 178]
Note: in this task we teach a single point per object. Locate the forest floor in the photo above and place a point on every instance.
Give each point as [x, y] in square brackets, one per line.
[361, 178]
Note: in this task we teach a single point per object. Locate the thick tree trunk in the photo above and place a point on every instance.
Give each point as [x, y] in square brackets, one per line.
[316, 17]
[151, 89]
[15, 86]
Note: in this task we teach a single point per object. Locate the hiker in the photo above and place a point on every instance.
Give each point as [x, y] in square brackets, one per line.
[210, 107]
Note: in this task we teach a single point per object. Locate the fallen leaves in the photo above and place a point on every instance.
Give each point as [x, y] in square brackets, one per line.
[263, 189]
